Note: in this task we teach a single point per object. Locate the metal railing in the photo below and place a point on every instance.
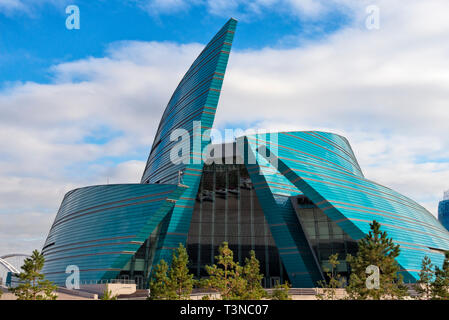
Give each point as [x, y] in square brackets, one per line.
[107, 281]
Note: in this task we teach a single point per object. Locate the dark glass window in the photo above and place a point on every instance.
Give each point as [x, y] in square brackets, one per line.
[139, 266]
[227, 209]
[325, 236]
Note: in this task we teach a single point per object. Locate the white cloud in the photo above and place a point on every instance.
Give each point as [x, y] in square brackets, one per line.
[307, 7]
[156, 7]
[21, 232]
[385, 90]
[248, 10]
[44, 129]
[29, 7]
[11, 5]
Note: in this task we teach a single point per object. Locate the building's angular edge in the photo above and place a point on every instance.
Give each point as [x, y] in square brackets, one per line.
[194, 102]
[195, 99]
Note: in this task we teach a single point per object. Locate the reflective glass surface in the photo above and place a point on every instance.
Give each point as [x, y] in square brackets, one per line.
[227, 209]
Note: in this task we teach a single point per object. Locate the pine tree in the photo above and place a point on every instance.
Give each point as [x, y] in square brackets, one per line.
[253, 277]
[440, 286]
[107, 295]
[160, 283]
[378, 250]
[423, 286]
[226, 276]
[280, 291]
[335, 280]
[32, 285]
[174, 282]
[180, 280]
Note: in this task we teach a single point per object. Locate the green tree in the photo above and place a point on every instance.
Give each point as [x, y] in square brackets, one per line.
[226, 276]
[174, 282]
[32, 285]
[440, 286]
[335, 280]
[378, 250]
[107, 295]
[280, 291]
[253, 277]
[159, 283]
[179, 279]
[423, 286]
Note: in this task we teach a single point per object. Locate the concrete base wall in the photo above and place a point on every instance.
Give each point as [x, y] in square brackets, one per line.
[115, 288]
[78, 293]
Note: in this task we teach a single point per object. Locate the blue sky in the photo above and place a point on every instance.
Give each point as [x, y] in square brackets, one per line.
[81, 107]
[33, 40]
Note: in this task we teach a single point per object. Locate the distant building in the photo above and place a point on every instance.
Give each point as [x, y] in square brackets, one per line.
[443, 210]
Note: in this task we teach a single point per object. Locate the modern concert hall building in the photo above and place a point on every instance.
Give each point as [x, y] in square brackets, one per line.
[294, 198]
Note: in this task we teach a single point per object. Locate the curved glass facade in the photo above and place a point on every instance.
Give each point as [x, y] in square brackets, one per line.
[295, 199]
[100, 228]
[322, 167]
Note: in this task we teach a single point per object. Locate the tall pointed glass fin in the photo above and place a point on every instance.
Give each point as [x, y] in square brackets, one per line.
[191, 110]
